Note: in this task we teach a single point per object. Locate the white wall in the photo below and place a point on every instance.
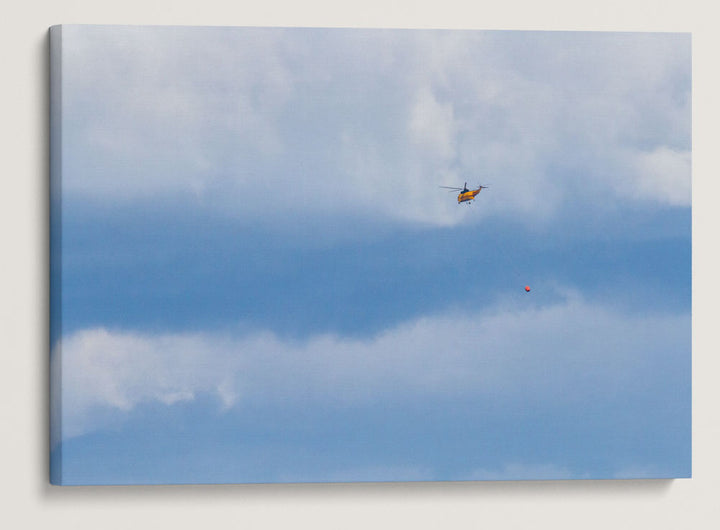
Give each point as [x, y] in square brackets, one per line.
[26, 499]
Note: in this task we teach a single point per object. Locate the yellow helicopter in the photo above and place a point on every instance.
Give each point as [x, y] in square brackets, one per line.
[465, 194]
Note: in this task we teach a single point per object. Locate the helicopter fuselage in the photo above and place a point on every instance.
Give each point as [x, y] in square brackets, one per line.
[469, 195]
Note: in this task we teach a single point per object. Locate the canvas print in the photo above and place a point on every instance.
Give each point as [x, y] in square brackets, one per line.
[342, 255]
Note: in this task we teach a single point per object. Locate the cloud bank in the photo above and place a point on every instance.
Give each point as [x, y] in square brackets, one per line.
[370, 122]
[504, 356]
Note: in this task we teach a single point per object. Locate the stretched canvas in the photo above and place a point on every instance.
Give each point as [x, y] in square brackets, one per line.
[264, 267]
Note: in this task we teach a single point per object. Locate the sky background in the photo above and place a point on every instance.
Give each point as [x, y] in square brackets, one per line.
[262, 281]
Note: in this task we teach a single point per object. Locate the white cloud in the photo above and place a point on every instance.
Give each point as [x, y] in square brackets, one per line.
[663, 175]
[350, 473]
[165, 111]
[517, 471]
[432, 125]
[640, 472]
[341, 122]
[504, 354]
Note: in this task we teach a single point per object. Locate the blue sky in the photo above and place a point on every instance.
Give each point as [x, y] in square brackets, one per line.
[262, 281]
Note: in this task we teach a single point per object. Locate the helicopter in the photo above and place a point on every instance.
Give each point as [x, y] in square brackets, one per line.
[465, 194]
